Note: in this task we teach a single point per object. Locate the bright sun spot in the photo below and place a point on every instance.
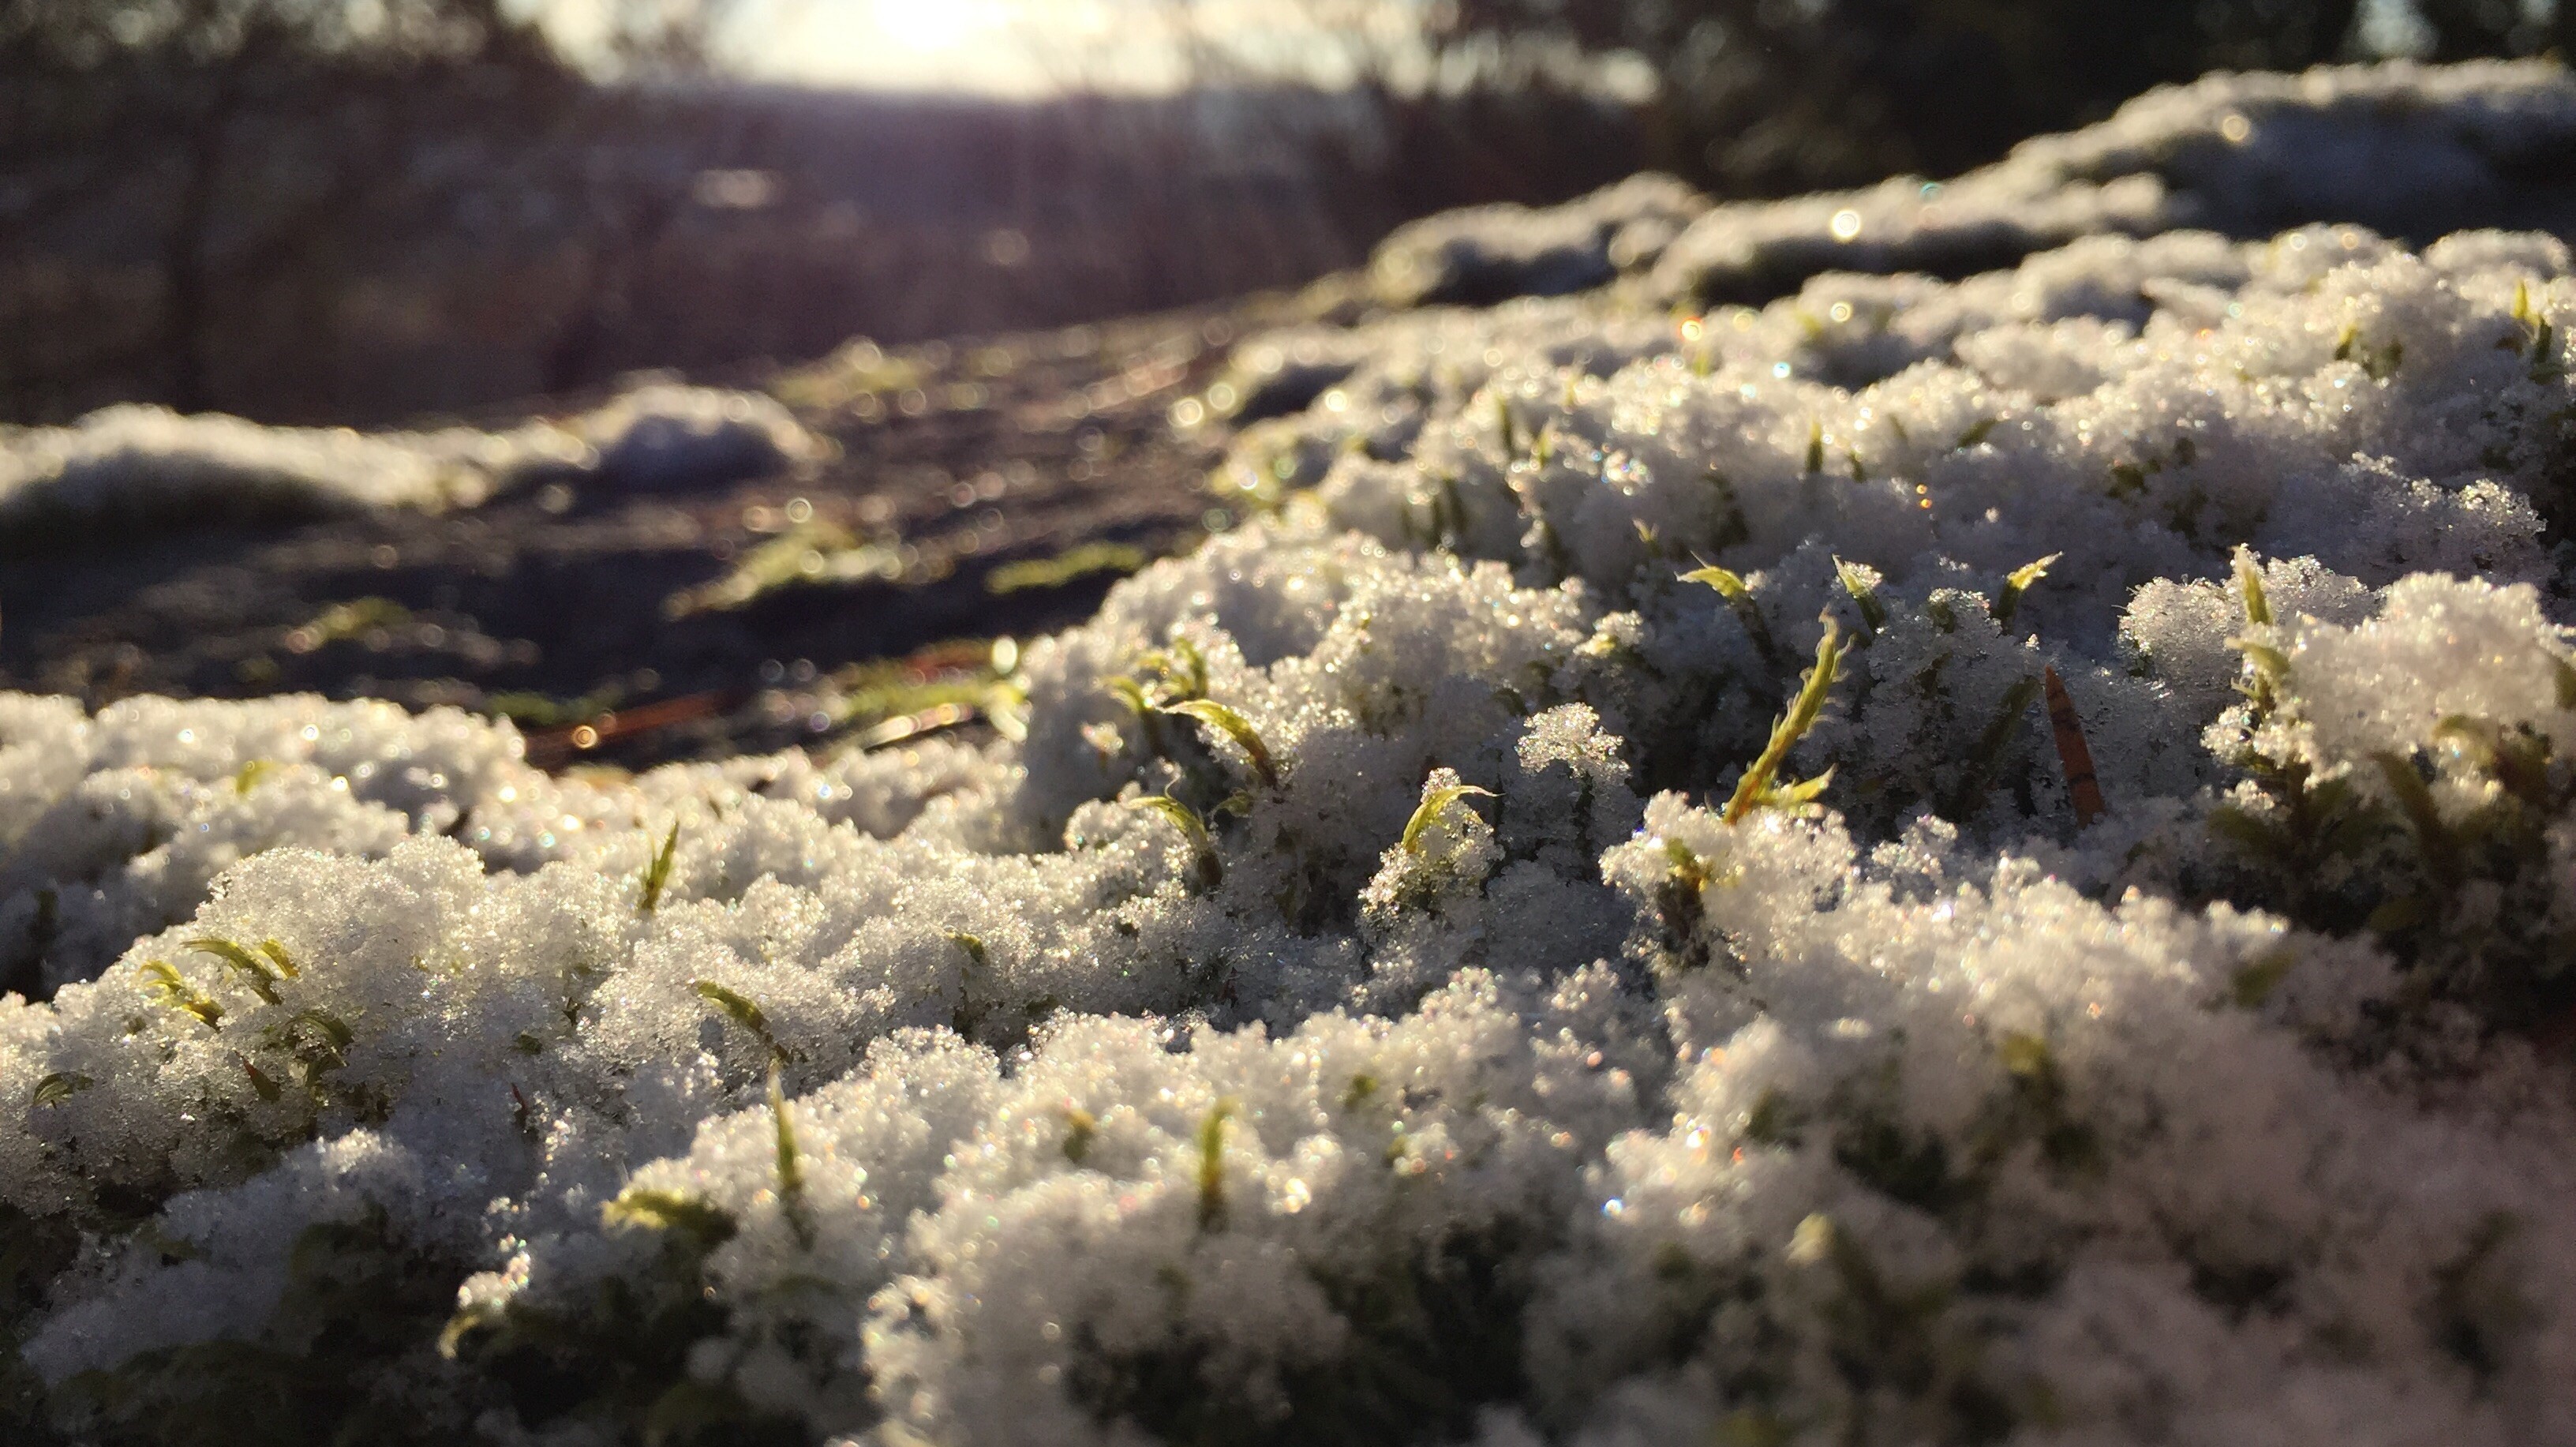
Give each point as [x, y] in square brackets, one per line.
[931, 25]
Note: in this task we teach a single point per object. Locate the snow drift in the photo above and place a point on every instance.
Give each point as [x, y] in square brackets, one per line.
[149, 467]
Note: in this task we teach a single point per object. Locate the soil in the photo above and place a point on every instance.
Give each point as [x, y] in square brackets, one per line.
[550, 603]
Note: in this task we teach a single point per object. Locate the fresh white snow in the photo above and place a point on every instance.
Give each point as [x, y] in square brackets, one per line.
[1466, 1051]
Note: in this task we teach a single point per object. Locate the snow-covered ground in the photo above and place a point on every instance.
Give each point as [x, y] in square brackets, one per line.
[148, 467]
[1931, 861]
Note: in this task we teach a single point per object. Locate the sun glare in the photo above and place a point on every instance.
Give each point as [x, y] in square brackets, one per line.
[931, 26]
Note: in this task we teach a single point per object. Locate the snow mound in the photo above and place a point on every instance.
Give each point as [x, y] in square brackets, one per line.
[149, 466]
[2413, 150]
[1981, 860]
[665, 435]
[1490, 253]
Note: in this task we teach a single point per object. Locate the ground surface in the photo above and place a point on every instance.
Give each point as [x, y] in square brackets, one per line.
[958, 458]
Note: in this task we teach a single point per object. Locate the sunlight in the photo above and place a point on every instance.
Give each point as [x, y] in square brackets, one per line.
[945, 45]
[931, 28]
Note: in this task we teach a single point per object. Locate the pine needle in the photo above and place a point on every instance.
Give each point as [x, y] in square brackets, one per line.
[2074, 756]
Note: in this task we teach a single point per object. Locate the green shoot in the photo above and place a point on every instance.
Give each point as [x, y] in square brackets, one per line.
[463, 1324]
[58, 1087]
[1755, 790]
[1212, 1164]
[1507, 426]
[744, 1013]
[1079, 1128]
[2016, 583]
[1750, 1428]
[2537, 332]
[1815, 447]
[257, 972]
[1989, 753]
[325, 1039]
[972, 945]
[267, 1089]
[2249, 585]
[1430, 808]
[1813, 1241]
[2255, 980]
[2270, 664]
[652, 1210]
[2432, 836]
[2515, 758]
[1084, 561]
[2377, 363]
[1216, 715]
[1978, 431]
[791, 1165]
[1862, 584]
[1728, 584]
[1187, 820]
[1131, 693]
[173, 989]
[249, 775]
[657, 875]
[2267, 668]
[1183, 668]
[1739, 599]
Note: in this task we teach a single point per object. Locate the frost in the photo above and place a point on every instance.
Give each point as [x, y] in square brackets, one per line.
[1586, 922]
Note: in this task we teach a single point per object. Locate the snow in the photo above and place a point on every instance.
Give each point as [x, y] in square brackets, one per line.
[1461, 1064]
[149, 466]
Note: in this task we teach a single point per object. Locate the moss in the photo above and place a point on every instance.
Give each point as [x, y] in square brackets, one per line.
[1089, 560]
[1434, 1335]
[340, 1360]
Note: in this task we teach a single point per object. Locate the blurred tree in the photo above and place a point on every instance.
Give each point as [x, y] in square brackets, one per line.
[1769, 96]
[2463, 29]
[1779, 96]
[202, 157]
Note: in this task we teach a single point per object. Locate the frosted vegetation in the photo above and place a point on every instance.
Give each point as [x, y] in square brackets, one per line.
[1935, 861]
[148, 466]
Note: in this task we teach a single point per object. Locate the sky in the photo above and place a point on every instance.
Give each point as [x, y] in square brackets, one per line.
[1032, 47]
[1024, 48]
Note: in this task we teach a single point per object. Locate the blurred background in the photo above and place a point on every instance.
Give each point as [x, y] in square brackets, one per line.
[371, 211]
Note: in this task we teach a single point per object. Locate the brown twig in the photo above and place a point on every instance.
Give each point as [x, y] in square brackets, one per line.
[2073, 754]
